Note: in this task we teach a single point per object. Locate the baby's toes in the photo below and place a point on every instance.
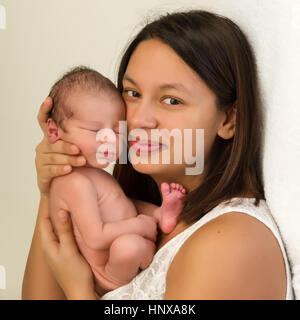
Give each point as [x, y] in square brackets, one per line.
[165, 188]
[173, 185]
[180, 195]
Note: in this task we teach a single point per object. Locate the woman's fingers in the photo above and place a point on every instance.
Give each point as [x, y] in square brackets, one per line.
[64, 147]
[44, 113]
[51, 171]
[48, 237]
[47, 170]
[65, 231]
[70, 269]
[61, 159]
[46, 173]
[54, 160]
[51, 157]
[59, 146]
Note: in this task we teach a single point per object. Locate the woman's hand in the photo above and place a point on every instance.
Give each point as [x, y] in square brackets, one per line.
[53, 159]
[70, 269]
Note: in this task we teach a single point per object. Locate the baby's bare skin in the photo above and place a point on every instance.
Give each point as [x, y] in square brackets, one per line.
[113, 237]
[102, 214]
[107, 227]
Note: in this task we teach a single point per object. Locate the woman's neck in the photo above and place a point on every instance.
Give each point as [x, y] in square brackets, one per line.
[189, 182]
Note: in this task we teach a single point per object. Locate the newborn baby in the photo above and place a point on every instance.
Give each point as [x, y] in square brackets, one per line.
[115, 240]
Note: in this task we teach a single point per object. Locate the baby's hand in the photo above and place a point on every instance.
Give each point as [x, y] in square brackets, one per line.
[148, 227]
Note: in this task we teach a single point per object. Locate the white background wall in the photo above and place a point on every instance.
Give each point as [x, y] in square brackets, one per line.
[43, 38]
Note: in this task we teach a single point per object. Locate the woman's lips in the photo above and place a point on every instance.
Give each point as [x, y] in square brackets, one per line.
[145, 146]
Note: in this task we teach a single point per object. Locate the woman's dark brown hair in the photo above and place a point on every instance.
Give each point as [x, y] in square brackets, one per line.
[219, 52]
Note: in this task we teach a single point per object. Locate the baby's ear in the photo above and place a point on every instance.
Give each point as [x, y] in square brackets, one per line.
[52, 130]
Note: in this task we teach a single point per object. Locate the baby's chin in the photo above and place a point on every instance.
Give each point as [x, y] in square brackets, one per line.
[97, 166]
[99, 162]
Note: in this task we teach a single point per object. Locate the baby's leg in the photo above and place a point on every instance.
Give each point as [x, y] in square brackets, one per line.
[172, 204]
[128, 254]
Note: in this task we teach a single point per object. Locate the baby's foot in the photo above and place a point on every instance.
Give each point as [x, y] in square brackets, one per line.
[172, 205]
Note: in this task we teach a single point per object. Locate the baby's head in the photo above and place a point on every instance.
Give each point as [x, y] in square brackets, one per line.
[85, 102]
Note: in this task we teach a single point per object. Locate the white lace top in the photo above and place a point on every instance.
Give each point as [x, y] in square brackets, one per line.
[150, 284]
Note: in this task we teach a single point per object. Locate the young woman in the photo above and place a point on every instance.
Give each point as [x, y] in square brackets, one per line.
[188, 70]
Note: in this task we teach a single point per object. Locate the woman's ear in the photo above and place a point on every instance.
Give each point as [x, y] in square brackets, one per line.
[52, 130]
[227, 127]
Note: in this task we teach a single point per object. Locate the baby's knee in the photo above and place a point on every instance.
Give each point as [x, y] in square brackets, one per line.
[127, 247]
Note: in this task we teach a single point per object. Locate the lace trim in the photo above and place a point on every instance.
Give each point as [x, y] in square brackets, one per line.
[150, 284]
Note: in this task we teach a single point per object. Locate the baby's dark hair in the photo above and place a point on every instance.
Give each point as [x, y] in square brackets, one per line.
[80, 77]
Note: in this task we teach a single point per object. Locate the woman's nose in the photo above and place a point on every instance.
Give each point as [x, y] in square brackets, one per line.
[141, 116]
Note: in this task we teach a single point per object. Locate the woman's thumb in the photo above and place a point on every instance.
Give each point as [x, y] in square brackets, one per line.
[63, 217]
[64, 228]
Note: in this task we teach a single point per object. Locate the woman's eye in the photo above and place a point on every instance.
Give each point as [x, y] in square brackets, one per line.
[172, 101]
[132, 93]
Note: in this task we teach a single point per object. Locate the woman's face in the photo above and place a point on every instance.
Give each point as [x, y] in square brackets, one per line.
[162, 92]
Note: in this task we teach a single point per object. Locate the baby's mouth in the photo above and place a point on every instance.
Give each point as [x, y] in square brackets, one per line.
[109, 156]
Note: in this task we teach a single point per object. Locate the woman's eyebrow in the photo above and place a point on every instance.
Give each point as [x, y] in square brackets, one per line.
[177, 86]
[127, 78]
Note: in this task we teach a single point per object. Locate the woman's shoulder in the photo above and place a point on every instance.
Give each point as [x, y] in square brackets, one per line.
[234, 256]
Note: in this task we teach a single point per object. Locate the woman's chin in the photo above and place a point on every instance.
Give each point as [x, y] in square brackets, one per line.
[153, 169]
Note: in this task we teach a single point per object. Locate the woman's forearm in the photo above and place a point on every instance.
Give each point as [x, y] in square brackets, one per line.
[83, 295]
[38, 281]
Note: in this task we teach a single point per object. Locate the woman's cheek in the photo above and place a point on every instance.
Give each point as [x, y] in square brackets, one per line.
[191, 152]
[129, 115]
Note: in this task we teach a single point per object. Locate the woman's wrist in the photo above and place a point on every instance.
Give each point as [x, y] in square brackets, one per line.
[43, 206]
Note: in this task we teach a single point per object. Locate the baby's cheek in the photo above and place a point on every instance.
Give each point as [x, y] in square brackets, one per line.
[88, 145]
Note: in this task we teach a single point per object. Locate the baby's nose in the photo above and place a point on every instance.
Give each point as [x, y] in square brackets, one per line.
[105, 136]
[103, 139]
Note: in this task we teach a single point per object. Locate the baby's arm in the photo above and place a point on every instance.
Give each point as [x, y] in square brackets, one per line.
[78, 195]
[147, 208]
